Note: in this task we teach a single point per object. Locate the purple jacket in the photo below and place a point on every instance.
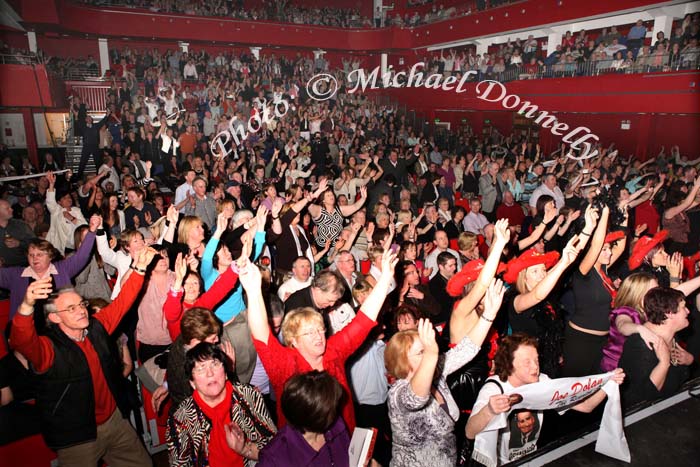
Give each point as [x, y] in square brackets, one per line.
[289, 449]
[613, 349]
[11, 278]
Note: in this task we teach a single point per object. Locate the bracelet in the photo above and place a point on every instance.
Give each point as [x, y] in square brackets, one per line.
[674, 279]
[486, 319]
[585, 233]
[139, 270]
[275, 218]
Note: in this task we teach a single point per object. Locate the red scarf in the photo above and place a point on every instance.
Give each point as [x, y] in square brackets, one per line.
[608, 284]
[220, 454]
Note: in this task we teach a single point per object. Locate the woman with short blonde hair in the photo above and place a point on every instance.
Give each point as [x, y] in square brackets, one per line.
[295, 319]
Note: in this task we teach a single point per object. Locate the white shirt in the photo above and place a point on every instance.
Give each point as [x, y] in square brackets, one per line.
[112, 176]
[290, 286]
[475, 223]
[181, 193]
[189, 70]
[431, 260]
[544, 190]
[505, 452]
[61, 229]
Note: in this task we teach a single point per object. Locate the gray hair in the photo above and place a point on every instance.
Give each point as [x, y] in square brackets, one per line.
[238, 215]
[329, 281]
[50, 305]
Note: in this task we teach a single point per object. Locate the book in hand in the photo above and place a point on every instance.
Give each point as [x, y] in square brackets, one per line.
[362, 446]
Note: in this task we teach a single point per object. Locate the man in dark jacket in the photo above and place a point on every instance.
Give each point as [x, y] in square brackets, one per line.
[80, 398]
[91, 142]
[398, 167]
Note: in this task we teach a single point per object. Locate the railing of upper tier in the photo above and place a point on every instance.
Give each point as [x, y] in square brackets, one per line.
[18, 59]
[689, 60]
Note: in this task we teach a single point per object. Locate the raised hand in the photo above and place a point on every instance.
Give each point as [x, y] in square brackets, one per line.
[549, 214]
[501, 231]
[571, 250]
[322, 185]
[591, 216]
[674, 265]
[145, 257]
[230, 352]
[172, 215]
[261, 218]
[493, 298]
[192, 262]
[95, 222]
[180, 269]
[573, 215]
[426, 334]
[277, 207]
[639, 230]
[389, 262]
[249, 275]
[38, 290]
[221, 222]
[369, 231]
[51, 178]
[363, 192]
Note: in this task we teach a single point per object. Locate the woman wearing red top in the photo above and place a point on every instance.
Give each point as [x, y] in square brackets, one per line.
[180, 300]
[304, 334]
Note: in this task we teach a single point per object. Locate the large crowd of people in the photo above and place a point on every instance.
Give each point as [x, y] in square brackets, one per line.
[334, 269]
[282, 11]
[581, 53]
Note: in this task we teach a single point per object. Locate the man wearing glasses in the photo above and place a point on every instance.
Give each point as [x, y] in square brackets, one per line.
[79, 373]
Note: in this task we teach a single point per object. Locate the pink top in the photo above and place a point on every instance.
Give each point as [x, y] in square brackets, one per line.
[616, 341]
[152, 329]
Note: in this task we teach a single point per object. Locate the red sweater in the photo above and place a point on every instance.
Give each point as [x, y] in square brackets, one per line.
[174, 307]
[514, 214]
[281, 363]
[39, 349]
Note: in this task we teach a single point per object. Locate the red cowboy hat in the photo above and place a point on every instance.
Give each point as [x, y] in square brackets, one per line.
[614, 236]
[643, 246]
[689, 264]
[527, 259]
[468, 274]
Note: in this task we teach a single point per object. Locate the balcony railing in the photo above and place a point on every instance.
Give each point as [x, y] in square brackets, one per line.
[18, 59]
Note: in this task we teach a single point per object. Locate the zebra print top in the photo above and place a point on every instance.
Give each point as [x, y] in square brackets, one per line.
[330, 224]
[188, 428]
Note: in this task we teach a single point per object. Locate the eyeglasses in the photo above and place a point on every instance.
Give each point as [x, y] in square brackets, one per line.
[317, 331]
[74, 308]
[212, 365]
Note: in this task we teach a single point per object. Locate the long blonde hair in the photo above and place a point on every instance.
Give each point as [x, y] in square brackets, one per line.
[632, 290]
